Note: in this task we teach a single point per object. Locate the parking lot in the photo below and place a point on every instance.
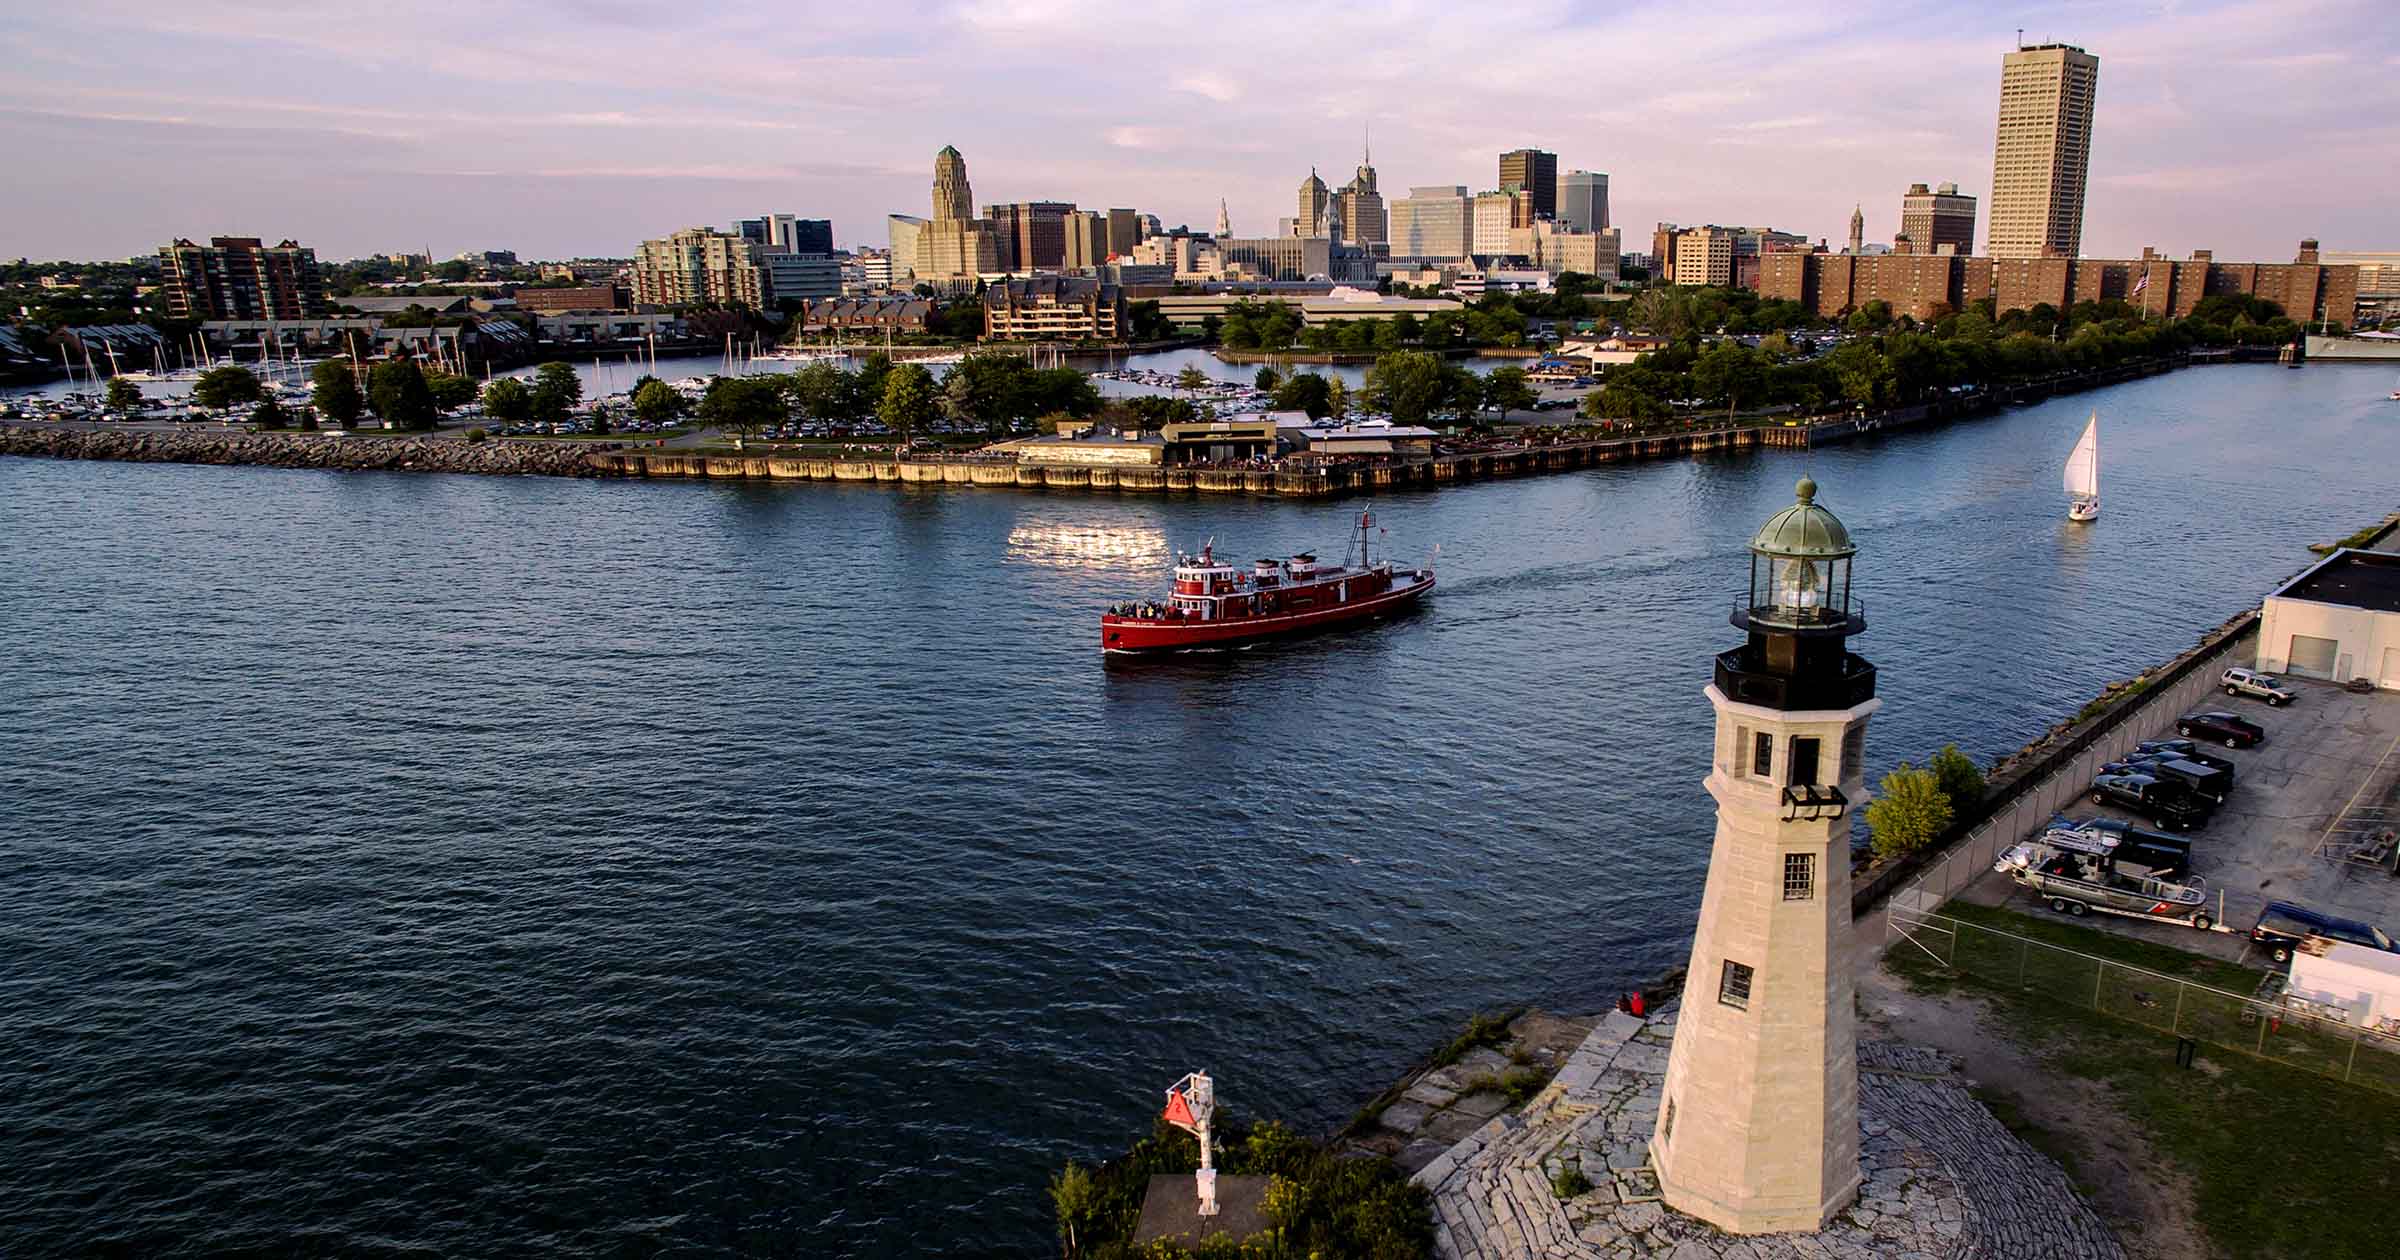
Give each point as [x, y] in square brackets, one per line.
[2268, 842]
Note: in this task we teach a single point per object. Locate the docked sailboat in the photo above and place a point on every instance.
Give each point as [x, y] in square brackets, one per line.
[2083, 474]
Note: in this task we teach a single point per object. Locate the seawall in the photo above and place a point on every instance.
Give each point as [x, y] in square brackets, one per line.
[301, 450]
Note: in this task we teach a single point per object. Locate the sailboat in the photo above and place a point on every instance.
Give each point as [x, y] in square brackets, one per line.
[2083, 474]
[2396, 395]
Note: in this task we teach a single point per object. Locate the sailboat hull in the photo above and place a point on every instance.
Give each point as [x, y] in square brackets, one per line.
[2084, 510]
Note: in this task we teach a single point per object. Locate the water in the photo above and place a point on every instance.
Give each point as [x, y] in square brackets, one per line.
[453, 865]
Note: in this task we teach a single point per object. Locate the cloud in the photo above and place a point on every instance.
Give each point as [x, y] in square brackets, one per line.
[1140, 137]
[1215, 87]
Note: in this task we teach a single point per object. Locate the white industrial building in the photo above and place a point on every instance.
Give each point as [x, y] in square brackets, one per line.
[2338, 621]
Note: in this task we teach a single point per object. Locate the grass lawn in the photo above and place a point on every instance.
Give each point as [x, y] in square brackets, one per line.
[2284, 1161]
[595, 437]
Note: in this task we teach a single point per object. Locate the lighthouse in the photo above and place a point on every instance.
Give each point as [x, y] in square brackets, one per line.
[1757, 1129]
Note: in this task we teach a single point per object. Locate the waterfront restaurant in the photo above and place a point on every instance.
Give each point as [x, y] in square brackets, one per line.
[1221, 441]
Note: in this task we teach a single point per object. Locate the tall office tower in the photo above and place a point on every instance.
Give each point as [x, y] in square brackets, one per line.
[1124, 232]
[1536, 172]
[2044, 151]
[1033, 234]
[1489, 221]
[1312, 205]
[1362, 207]
[1433, 223]
[1941, 217]
[787, 233]
[953, 198]
[1583, 201]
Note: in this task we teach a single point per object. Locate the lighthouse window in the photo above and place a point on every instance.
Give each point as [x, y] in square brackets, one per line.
[1804, 761]
[1799, 876]
[1734, 989]
[1762, 755]
[1854, 751]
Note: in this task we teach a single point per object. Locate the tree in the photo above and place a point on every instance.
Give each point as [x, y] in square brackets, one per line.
[221, 388]
[1508, 390]
[1191, 380]
[398, 392]
[1157, 411]
[1959, 779]
[909, 401]
[1076, 1199]
[1267, 379]
[1729, 371]
[455, 269]
[450, 391]
[1337, 400]
[123, 395]
[268, 414]
[507, 400]
[556, 390]
[743, 404]
[1908, 815]
[654, 401]
[1407, 384]
[990, 390]
[1306, 391]
[335, 392]
[1061, 389]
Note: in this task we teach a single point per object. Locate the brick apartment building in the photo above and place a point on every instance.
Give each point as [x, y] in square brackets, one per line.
[1925, 287]
[1048, 308]
[239, 277]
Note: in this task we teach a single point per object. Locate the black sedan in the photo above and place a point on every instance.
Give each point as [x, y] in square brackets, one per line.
[2230, 729]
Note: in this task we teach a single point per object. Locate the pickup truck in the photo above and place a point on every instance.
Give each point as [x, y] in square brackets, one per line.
[2249, 682]
[2206, 782]
[2188, 750]
[2167, 806]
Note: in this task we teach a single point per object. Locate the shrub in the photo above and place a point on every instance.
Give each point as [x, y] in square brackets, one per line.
[476, 435]
[1959, 779]
[1570, 1182]
[1908, 815]
[1481, 1030]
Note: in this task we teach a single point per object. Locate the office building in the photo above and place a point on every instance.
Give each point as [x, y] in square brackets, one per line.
[1124, 232]
[567, 301]
[953, 196]
[1583, 201]
[1549, 246]
[1537, 173]
[792, 279]
[787, 232]
[699, 265]
[1490, 218]
[1432, 224]
[2043, 152]
[239, 277]
[1278, 257]
[1312, 202]
[1941, 221]
[1053, 308]
[1032, 234]
[902, 231]
[875, 271]
[1086, 240]
[1363, 221]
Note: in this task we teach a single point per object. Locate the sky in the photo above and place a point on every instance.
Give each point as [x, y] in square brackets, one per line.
[558, 128]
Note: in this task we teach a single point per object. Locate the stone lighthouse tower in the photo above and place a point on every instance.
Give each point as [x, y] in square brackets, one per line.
[1757, 1128]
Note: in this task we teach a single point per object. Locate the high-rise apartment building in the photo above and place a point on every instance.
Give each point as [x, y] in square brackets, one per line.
[1033, 234]
[1704, 255]
[1432, 224]
[1938, 221]
[1583, 201]
[1536, 172]
[2043, 152]
[701, 265]
[239, 277]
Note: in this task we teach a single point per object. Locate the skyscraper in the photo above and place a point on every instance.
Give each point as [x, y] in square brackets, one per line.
[1933, 219]
[1536, 172]
[1433, 223]
[1033, 234]
[1312, 205]
[2043, 153]
[1583, 201]
[953, 198]
[1362, 207]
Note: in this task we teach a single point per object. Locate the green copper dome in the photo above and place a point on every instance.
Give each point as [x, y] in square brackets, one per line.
[1804, 530]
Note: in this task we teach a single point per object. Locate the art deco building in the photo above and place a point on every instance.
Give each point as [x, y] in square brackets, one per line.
[1363, 220]
[955, 245]
[1312, 201]
[2043, 152]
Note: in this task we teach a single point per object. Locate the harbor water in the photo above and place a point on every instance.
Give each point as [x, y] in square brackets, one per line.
[403, 864]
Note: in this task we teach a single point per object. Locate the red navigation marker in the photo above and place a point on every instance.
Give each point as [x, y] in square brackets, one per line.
[1179, 1113]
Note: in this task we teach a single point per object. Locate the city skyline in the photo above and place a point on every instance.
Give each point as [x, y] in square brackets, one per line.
[367, 144]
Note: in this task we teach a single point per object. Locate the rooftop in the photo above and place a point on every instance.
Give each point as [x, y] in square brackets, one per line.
[2351, 579]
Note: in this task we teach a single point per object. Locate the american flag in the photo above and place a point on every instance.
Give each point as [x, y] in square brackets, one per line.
[2140, 285]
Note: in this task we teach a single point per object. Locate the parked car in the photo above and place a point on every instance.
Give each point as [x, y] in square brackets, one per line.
[2282, 926]
[2166, 806]
[2189, 750]
[2230, 729]
[2152, 853]
[2206, 782]
[2267, 687]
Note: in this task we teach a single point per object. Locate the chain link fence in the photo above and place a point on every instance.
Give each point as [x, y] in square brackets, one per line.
[2251, 1024]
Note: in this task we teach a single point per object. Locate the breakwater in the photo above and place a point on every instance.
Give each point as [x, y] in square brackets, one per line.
[300, 450]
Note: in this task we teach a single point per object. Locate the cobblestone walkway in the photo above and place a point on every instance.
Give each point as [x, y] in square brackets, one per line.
[1493, 1196]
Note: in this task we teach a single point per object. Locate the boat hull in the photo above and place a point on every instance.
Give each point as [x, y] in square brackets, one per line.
[2084, 510]
[1133, 635]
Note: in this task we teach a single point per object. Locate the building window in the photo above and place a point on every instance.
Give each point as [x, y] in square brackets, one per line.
[1854, 751]
[1762, 755]
[1799, 876]
[1804, 761]
[1734, 989]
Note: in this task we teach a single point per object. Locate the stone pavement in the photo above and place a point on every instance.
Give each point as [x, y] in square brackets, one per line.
[1920, 1131]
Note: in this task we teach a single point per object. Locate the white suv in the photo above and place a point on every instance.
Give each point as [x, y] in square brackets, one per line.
[2267, 687]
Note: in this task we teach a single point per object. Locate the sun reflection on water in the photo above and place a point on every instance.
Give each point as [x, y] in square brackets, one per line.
[1123, 548]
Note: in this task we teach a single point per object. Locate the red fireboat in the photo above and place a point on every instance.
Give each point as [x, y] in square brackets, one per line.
[1215, 604]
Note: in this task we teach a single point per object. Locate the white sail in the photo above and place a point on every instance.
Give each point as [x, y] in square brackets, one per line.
[2083, 467]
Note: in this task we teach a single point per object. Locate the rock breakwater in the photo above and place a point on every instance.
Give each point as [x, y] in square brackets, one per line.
[303, 450]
